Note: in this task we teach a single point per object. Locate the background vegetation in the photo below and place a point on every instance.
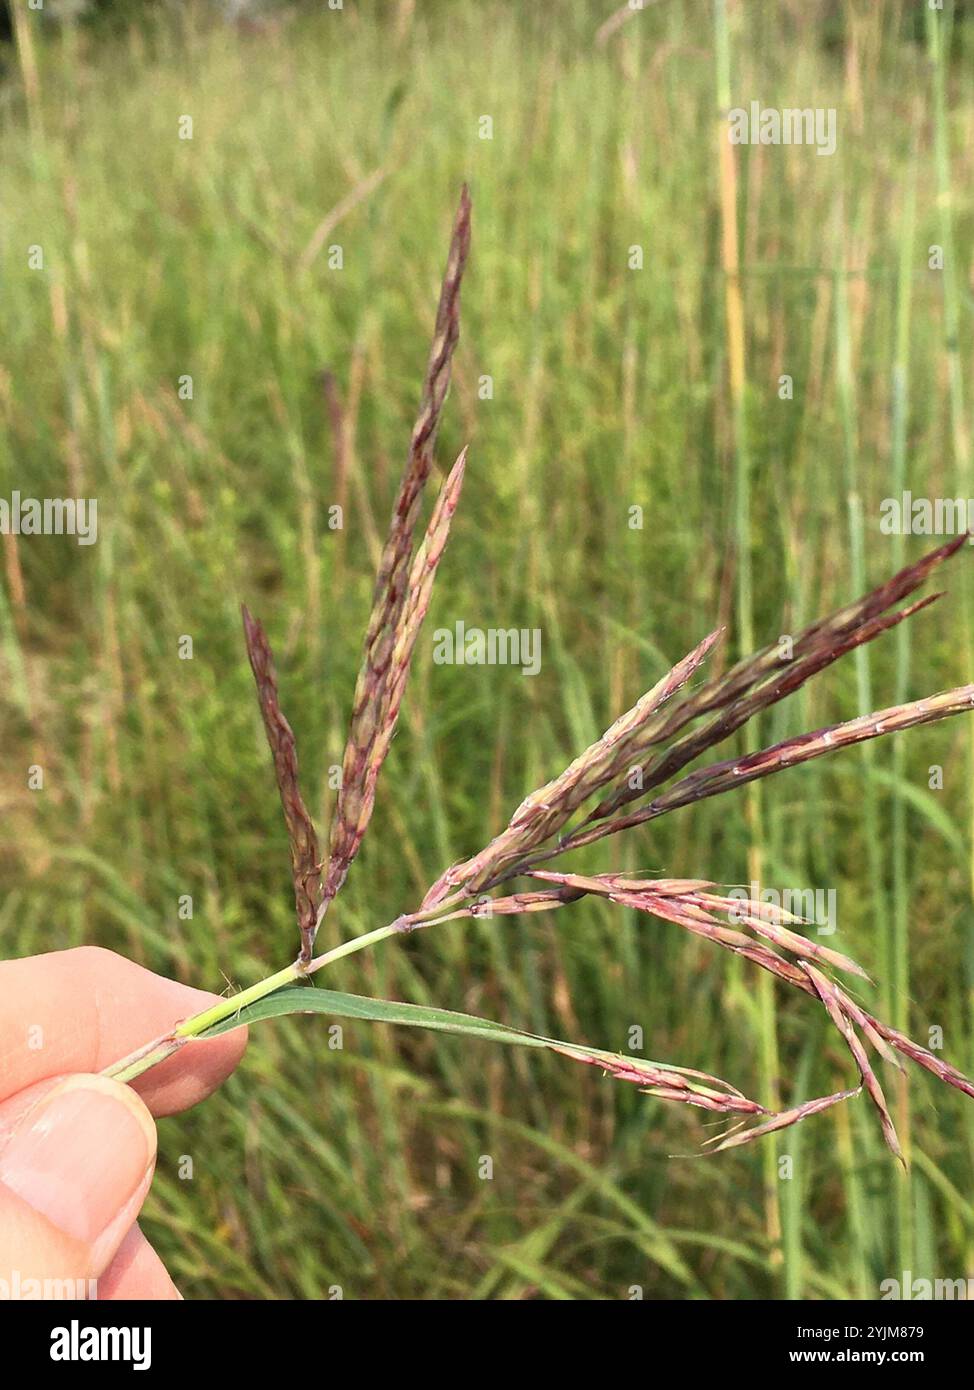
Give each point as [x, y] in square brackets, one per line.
[166, 257]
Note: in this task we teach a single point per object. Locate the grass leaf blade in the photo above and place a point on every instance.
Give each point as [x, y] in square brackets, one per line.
[689, 1086]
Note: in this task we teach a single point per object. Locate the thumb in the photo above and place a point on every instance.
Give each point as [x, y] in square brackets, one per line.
[74, 1173]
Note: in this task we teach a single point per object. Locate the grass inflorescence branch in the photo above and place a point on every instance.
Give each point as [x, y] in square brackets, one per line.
[641, 753]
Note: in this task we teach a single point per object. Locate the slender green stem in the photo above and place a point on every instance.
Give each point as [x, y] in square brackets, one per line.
[900, 1002]
[192, 1027]
[144, 1058]
[358, 943]
[150, 1054]
[939, 26]
[767, 1022]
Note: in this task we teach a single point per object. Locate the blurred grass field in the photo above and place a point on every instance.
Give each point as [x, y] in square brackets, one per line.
[166, 258]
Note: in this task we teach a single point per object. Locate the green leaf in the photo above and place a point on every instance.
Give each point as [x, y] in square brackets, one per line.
[299, 999]
[296, 999]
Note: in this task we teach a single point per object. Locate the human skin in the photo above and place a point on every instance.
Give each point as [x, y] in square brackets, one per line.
[77, 1150]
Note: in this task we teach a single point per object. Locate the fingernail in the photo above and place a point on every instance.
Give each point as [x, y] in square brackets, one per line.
[81, 1154]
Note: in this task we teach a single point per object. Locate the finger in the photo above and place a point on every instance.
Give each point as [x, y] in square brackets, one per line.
[80, 1010]
[136, 1272]
[74, 1173]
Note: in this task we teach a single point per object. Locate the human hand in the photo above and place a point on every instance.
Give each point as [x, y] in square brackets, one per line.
[78, 1150]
